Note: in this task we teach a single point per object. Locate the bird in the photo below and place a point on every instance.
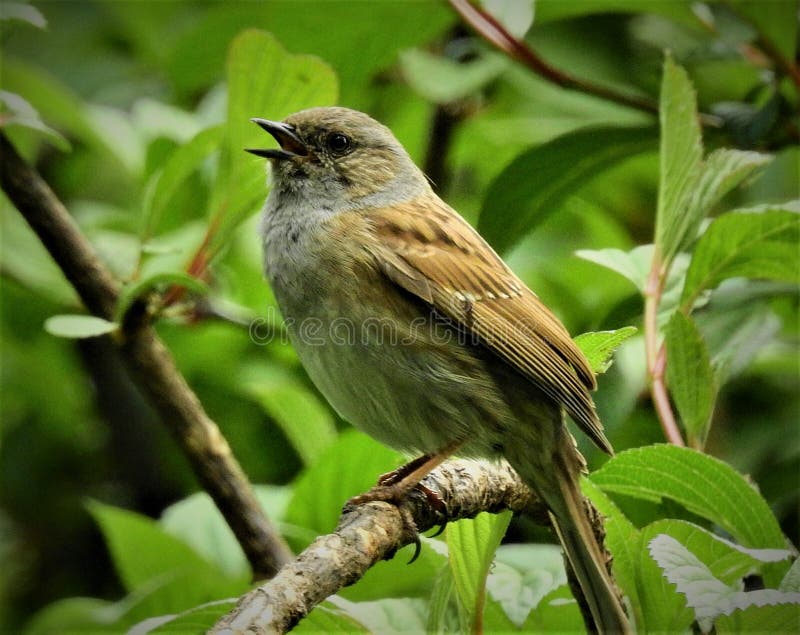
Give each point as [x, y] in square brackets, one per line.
[418, 333]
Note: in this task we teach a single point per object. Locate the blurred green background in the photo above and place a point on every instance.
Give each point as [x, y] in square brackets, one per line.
[129, 82]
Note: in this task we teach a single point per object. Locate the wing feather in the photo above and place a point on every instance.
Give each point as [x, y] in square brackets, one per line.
[429, 250]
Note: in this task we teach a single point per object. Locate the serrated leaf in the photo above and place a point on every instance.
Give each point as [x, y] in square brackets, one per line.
[140, 288]
[702, 484]
[264, 80]
[708, 596]
[472, 544]
[305, 420]
[538, 181]
[757, 243]
[175, 170]
[681, 152]
[145, 556]
[633, 265]
[791, 581]
[78, 326]
[783, 617]
[599, 346]
[690, 376]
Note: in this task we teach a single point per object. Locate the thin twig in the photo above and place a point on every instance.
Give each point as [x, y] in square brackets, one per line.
[655, 354]
[496, 34]
[149, 363]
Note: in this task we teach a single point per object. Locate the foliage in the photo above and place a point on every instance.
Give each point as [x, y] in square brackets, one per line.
[688, 228]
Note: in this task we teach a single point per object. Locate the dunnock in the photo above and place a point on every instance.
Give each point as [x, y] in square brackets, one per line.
[417, 332]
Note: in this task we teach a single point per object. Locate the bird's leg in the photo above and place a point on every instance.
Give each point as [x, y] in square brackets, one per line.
[393, 486]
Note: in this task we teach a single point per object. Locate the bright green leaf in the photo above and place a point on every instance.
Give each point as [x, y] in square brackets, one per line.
[702, 484]
[681, 154]
[78, 326]
[442, 615]
[791, 581]
[757, 243]
[74, 615]
[472, 544]
[174, 172]
[599, 346]
[328, 618]
[708, 596]
[539, 180]
[145, 556]
[781, 617]
[264, 80]
[633, 265]
[305, 420]
[690, 376]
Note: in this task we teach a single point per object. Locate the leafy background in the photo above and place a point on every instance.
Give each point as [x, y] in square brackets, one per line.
[136, 113]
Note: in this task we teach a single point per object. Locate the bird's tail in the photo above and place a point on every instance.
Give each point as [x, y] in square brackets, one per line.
[569, 512]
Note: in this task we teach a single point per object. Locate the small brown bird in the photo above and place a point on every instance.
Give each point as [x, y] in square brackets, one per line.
[417, 332]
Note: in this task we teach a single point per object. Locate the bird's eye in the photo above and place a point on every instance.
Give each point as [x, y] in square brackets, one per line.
[339, 143]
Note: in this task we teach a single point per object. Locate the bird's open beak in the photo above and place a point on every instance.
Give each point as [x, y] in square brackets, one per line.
[291, 145]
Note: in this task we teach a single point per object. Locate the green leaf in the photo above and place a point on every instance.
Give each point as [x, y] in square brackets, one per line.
[708, 596]
[599, 346]
[791, 581]
[23, 12]
[389, 615]
[782, 617]
[74, 615]
[538, 181]
[681, 154]
[702, 484]
[78, 326]
[443, 80]
[140, 288]
[633, 265]
[305, 420]
[441, 616]
[754, 243]
[16, 111]
[522, 575]
[196, 521]
[558, 612]
[690, 376]
[198, 619]
[175, 170]
[472, 544]
[723, 170]
[145, 556]
[350, 466]
[264, 80]
[678, 10]
[624, 542]
[328, 618]
[515, 15]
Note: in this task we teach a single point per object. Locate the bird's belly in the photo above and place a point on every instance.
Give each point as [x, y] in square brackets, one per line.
[398, 380]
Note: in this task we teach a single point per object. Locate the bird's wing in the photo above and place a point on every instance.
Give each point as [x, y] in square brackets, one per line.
[430, 251]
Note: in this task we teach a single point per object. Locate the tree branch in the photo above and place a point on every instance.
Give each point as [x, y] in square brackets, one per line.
[149, 363]
[372, 532]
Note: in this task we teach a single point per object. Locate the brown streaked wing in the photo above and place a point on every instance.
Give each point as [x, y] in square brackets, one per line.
[430, 251]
